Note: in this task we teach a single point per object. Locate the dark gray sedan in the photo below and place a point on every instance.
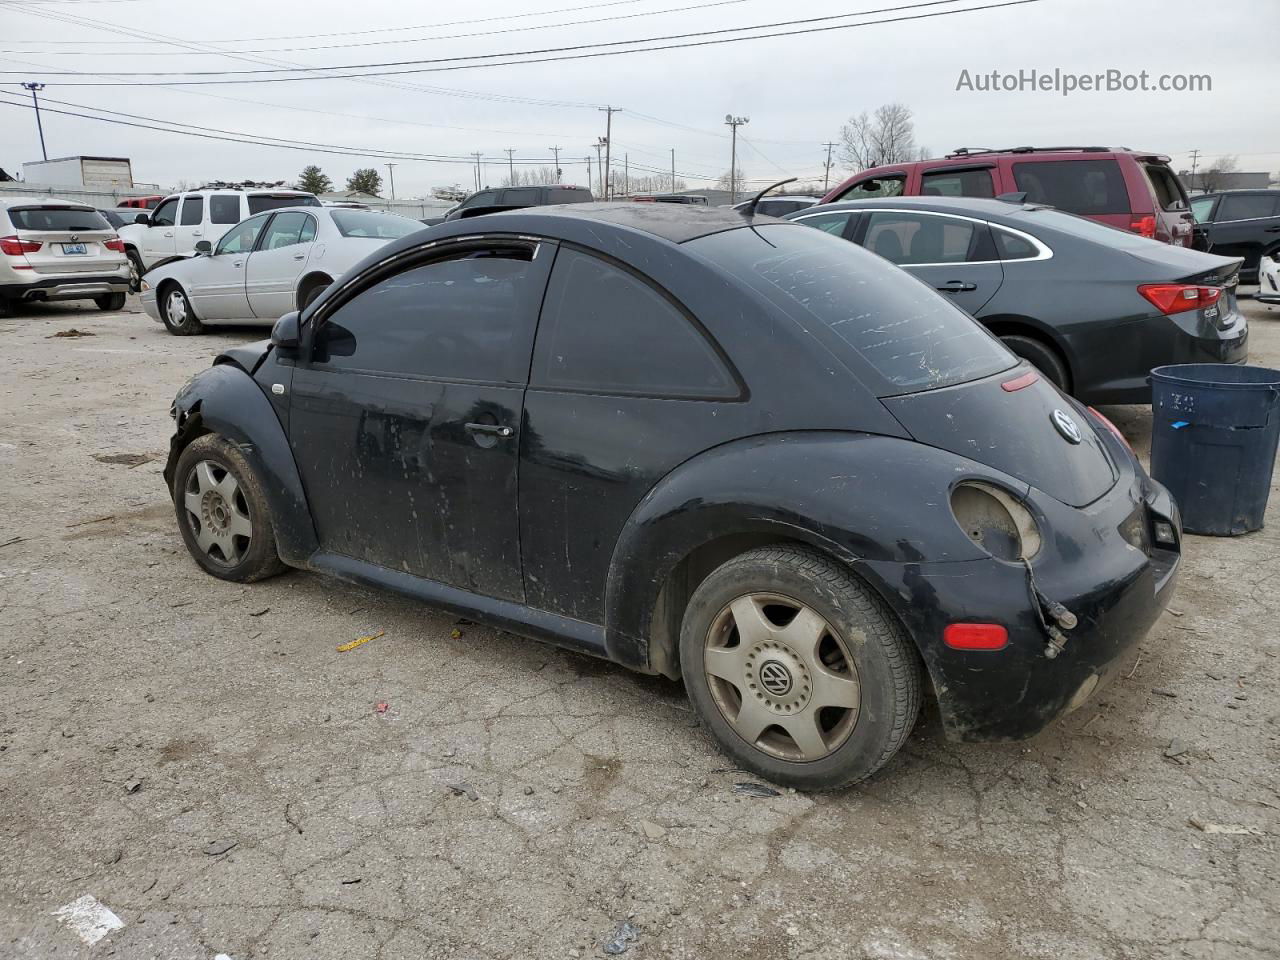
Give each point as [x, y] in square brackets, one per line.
[1092, 307]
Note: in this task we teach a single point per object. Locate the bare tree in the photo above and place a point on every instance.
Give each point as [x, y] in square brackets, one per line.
[731, 180]
[531, 177]
[1215, 176]
[887, 136]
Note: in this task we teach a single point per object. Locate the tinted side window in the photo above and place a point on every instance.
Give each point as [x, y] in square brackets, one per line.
[485, 198]
[908, 238]
[1012, 246]
[464, 318]
[890, 186]
[1246, 206]
[832, 223]
[1086, 187]
[192, 211]
[262, 202]
[526, 197]
[166, 214]
[606, 330]
[242, 238]
[561, 195]
[224, 208]
[961, 183]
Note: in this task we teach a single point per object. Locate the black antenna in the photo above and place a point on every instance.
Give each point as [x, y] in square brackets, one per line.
[749, 208]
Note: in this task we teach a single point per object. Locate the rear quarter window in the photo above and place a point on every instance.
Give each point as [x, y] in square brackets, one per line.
[561, 195]
[224, 208]
[1086, 187]
[957, 183]
[895, 332]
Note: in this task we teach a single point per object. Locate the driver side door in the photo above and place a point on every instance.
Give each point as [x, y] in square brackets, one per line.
[218, 285]
[158, 243]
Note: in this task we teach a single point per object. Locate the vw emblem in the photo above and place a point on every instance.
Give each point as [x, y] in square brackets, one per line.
[775, 678]
[1066, 426]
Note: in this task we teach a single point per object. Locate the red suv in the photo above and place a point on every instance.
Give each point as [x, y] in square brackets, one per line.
[1121, 188]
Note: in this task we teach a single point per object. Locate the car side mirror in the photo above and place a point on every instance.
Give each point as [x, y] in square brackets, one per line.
[204, 247]
[143, 218]
[285, 335]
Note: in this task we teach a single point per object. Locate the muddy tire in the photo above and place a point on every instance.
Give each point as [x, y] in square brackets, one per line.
[175, 310]
[110, 301]
[1041, 356]
[799, 670]
[223, 513]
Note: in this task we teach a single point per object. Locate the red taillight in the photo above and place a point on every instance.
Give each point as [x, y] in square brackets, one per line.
[1171, 298]
[115, 243]
[1113, 428]
[1144, 226]
[14, 247]
[975, 636]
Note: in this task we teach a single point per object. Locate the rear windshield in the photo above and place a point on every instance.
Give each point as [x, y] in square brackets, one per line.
[57, 218]
[265, 201]
[370, 223]
[878, 319]
[1087, 187]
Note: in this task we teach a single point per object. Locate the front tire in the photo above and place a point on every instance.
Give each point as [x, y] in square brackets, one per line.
[222, 512]
[175, 309]
[801, 672]
[1041, 356]
[110, 301]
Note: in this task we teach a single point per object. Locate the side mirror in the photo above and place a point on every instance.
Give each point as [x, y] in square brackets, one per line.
[204, 247]
[285, 335]
[143, 218]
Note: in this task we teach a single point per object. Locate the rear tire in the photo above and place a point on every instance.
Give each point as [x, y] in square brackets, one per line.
[310, 293]
[175, 309]
[1041, 356]
[800, 671]
[136, 270]
[223, 513]
[110, 301]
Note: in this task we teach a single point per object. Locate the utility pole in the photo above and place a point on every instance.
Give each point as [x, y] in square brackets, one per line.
[608, 135]
[511, 167]
[1195, 159]
[477, 156]
[673, 169]
[391, 174]
[626, 174]
[34, 87]
[589, 170]
[555, 152]
[600, 166]
[826, 177]
[734, 123]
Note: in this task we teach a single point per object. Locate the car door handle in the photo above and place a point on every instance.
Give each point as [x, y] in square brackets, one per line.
[957, 286]
[491, 429]
[299, 256]
[238, 263]
[168, 233]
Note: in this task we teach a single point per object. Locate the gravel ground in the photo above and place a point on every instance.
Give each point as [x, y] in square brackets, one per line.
[151, 716]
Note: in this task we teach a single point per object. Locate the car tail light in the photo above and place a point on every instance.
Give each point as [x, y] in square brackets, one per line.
[1171, 298]
[114, 243]
[15, 247]
[1106, 422]
[1144, 226]
[975, 636]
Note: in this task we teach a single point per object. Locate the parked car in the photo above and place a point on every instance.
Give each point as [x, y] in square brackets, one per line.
[179, 222]
[1269, 279]
[517, 198]
[266, 266]
[117, 217]
[59, 250]
[778, 206]
[686, 198]
[1129, 189]
[141, 203]
[1238, 223]
[744, 453]
[1093, 308]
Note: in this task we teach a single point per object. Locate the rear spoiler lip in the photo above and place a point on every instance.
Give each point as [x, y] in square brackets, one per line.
[1227, 273]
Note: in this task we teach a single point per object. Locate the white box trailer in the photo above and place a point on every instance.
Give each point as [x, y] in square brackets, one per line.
[94, 173]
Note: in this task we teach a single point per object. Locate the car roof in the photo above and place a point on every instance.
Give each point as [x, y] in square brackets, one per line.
[676, 222]
[987, 209]
[43, 201]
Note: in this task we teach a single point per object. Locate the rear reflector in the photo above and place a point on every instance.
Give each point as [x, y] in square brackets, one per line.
[975, 636]
[1171, 298]
[1017, 383]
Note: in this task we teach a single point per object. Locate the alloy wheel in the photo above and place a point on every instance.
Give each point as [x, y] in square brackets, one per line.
[217, 512]
[782, 677]
[175, 308]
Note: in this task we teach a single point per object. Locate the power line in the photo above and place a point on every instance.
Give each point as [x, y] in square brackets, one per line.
[377, 43]
[253, 76]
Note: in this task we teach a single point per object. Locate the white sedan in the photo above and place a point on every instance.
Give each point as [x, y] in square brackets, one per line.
[265, 266]
[1269, 279]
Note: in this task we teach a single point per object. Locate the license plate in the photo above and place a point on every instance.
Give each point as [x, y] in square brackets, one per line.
[74, 248]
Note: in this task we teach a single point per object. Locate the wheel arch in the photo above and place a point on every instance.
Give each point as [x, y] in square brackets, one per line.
[309, 280]
[1012, 324]
[163, 287]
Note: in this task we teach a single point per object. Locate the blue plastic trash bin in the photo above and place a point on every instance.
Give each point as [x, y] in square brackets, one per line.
[1213, 442]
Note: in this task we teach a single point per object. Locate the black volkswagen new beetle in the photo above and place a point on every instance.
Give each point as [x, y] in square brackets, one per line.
[739, 452]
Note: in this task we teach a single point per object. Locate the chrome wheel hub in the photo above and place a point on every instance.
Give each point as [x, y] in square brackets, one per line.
[217, 512]
[782, 677]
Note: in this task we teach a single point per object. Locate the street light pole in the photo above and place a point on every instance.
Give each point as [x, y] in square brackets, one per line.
[608, 136]
[34, 87]
[734, 123]
[391, 174]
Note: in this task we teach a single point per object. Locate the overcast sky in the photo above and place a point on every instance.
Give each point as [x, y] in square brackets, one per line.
[797, 90]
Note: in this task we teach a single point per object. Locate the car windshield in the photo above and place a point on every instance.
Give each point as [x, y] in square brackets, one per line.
[879, 320]
[373, 225]
[57, 218]
[266, 201]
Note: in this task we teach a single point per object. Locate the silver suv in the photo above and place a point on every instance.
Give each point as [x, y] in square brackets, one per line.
[59, 250]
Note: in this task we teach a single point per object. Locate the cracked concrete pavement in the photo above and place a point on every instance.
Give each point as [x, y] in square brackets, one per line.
[148, 711]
